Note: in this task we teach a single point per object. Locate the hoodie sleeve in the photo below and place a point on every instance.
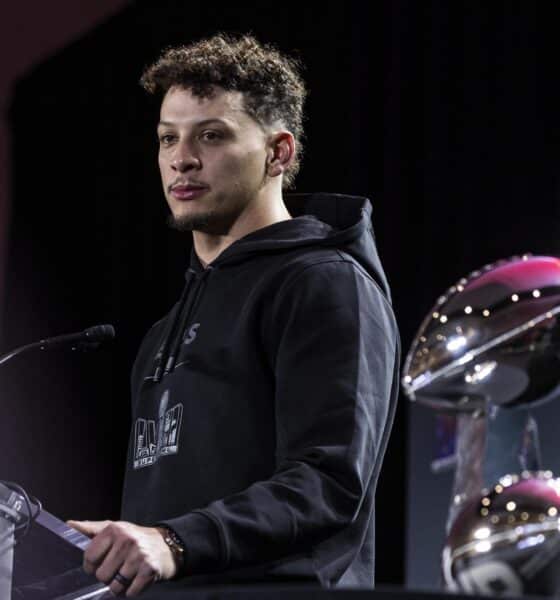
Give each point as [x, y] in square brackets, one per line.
[332, 340]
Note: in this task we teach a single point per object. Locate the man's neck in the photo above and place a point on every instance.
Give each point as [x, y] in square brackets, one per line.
[209, 246]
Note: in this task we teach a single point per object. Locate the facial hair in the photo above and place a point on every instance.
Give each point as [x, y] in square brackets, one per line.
[217, 220]
[186, 223]
[211, 222]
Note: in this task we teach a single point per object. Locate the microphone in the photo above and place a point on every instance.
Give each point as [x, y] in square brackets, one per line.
[89, 338]
[85, 340]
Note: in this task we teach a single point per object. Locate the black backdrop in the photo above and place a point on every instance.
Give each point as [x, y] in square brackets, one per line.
[444, 113]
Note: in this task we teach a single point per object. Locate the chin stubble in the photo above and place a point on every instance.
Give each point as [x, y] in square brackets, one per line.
[186, 223]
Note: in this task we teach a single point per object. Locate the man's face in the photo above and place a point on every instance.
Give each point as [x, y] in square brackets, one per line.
[212, 159]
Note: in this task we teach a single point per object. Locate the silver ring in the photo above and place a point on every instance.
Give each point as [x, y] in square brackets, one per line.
[124, 581]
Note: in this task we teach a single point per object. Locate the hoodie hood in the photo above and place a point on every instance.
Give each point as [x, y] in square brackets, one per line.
[319, 220]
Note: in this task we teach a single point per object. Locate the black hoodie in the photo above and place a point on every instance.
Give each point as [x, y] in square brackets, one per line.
[262, 403]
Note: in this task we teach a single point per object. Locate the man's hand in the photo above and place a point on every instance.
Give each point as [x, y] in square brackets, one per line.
[137, 554]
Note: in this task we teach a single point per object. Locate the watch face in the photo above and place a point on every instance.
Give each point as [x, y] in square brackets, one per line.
[494, 337]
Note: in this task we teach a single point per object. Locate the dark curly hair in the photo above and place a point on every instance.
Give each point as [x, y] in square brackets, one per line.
[270, 82]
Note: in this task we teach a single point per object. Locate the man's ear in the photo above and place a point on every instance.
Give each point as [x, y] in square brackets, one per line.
[281, 153]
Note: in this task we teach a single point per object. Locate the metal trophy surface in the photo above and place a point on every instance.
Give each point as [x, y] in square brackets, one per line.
[488, 351]
[506, 541]
[491, 338]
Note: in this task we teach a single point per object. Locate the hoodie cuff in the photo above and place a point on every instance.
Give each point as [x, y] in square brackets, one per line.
[200, 537]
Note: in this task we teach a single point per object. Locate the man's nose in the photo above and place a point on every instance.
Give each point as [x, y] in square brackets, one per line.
[184, 159]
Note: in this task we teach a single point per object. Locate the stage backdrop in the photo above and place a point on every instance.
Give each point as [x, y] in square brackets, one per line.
[30, 32]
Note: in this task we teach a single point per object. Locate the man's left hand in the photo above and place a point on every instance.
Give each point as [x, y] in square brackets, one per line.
[126, 557]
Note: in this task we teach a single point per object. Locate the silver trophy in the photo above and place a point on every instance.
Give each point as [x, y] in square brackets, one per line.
[492, 338]
[487, 352]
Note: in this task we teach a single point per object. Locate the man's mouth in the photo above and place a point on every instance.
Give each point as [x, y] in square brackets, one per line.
[187, 191]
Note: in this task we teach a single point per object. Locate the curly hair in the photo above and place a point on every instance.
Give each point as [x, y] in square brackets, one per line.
[272, 87]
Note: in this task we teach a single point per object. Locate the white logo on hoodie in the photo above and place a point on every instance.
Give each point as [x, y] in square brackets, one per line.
[151, 442]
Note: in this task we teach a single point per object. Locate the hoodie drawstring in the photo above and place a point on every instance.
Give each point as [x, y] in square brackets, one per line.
[167, 355]
[171, 326]
[186, 314]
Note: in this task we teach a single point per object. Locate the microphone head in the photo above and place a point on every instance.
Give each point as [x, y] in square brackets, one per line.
[99, 333]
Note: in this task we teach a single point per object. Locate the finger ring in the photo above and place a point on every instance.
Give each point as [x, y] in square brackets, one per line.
[125, 581]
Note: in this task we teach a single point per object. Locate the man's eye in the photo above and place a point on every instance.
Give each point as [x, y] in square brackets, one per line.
[166, 138]
[210, 135]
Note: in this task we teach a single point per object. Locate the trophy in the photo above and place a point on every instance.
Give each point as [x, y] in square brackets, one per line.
[488, 351]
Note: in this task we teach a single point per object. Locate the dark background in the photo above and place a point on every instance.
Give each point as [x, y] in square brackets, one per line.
[445, 114]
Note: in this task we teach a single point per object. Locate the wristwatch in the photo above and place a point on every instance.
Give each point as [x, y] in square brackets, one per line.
[175, 545]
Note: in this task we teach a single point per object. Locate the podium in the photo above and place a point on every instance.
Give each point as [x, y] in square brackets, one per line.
[40, 556]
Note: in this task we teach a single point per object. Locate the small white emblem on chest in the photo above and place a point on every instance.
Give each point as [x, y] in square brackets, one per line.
[190, 334]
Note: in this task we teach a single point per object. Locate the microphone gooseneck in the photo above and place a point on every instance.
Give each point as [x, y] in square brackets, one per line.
[92, 335]
[88, 339]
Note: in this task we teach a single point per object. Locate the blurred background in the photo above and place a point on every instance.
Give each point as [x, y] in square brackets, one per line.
[445, 114]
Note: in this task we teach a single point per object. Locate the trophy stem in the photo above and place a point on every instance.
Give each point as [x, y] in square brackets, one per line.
[499, 442]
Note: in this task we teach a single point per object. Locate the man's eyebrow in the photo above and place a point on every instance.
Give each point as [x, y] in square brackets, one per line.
[197, 123]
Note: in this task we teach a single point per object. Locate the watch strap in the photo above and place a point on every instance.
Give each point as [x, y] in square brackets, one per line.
[175, 545]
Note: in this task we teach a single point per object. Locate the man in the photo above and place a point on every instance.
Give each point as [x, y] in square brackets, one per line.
[262, 402]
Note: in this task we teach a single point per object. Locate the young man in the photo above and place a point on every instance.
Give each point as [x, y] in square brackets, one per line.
[262, 402]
